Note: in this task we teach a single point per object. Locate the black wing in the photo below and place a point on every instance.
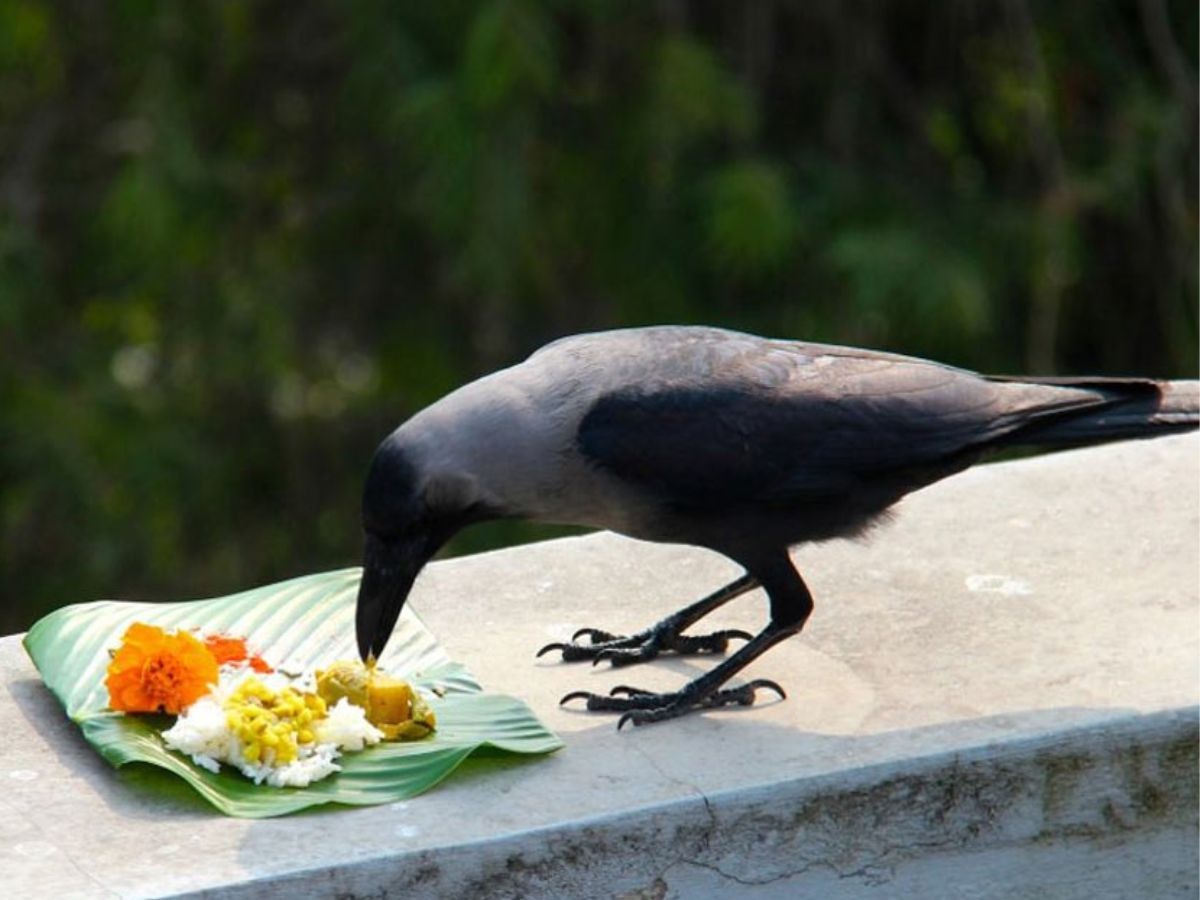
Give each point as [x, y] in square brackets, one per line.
[786, 423]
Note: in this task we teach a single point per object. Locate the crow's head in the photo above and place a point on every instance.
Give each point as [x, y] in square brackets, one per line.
[408, 512]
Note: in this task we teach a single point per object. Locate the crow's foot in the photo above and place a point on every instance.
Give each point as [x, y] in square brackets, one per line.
[641, 707]
[645, 645]
[664, 636]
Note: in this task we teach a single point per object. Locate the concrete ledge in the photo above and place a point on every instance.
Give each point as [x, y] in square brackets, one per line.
[996, 697]
[1100, 811]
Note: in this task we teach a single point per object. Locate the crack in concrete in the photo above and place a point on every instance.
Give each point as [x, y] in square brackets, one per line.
[706, 836]
[874, 871]
[755, 882]
[864, 872]
[710, 832]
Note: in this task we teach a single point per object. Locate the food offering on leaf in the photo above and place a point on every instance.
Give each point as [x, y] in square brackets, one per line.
[233, 708]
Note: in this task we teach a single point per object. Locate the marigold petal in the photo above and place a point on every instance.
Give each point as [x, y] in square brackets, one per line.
[143, 636]
[225, 648]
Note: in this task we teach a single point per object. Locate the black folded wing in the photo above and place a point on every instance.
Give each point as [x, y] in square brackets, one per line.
[800, 423]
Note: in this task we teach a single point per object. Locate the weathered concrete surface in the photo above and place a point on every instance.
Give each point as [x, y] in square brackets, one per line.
[996, 697]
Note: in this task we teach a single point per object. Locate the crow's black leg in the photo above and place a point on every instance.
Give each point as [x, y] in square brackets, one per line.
[662, 636]
[791, 605]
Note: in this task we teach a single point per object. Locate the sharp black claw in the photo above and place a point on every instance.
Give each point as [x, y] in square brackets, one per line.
[593, 634]
[627, 690]
[574, 695]
[609, 655]
[738, 633]
[770, 685]
[628, 717]
[550, 647]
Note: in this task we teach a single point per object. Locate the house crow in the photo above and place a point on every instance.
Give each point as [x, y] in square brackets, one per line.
[744, 445]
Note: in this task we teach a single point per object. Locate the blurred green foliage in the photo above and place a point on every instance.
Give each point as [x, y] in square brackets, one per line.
[241, 242]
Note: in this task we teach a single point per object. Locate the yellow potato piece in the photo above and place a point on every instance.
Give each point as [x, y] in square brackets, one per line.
[391, 705]
[389, 700]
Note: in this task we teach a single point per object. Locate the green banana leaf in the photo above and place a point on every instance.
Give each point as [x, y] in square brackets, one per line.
[296, 626]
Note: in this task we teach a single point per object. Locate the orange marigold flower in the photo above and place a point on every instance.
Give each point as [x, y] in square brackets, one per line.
[156, 671]
[233, 649]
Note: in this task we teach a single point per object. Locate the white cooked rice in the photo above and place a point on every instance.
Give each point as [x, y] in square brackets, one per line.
[203, 734]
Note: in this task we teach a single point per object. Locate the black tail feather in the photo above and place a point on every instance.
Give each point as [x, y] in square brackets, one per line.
[1125, 408]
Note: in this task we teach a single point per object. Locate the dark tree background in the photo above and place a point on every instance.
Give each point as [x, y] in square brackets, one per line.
[240, 242]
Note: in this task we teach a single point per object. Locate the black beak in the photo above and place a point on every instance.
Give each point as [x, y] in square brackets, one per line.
[389, 569]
